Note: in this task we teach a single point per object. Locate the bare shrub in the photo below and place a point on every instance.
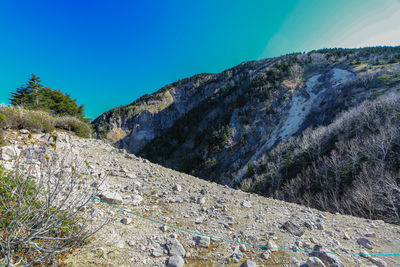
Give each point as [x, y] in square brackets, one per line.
[40, 209]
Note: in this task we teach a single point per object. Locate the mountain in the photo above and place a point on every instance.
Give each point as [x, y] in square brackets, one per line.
[318, 129]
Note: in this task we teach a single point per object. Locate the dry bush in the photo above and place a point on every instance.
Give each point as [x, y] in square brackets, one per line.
[40, 121]
[40, 208]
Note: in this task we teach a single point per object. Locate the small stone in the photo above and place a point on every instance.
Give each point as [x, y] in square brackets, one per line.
[328, 258]
[175, 261]
[364, 242]
[242, 247]
[111, 197]
[319, 225]
[378, 262]
[199, 219]
[330, 233]
[202, 241]
[130, 175]
[157, 252]
[307, 225]
[295, 262]
[315, 262]
[272, 246]
[246, 204]
[346, 236]
[364, 254]
[8, 153]
[131, 243]
[307, 245]
[265, 255]
[292, 228]
[237, 255]
[164, 228]
[136, 199]
[372, 234]
[248, 263]
[177, 187]
[175, 248]
[24, 131]
[126, 221]
[187, 255]
[201, 200]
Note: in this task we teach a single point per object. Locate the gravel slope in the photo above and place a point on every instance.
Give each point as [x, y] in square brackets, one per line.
[188, 202]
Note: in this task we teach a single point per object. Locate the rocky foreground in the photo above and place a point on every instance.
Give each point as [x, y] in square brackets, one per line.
[185, 201]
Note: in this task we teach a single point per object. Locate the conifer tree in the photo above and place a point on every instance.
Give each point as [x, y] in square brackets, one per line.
[35, 96]
[27, 95]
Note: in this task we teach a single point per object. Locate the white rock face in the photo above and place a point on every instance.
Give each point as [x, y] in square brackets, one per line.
[301, 106]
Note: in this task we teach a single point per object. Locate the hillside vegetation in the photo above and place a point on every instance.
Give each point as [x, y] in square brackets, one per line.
[350, 166]
[40, 109]
[244, 128]
[35, 96]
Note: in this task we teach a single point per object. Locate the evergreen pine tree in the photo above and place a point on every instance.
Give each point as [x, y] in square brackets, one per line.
[27, 96]
[34, 96]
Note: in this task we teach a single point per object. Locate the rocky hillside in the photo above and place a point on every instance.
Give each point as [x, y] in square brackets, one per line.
[240, 128]
[178, 199]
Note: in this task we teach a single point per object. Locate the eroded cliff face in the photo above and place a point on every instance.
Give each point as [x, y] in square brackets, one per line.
[135, 125]
[216, 125]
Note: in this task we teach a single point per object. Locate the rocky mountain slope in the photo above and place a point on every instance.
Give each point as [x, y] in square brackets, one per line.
[240, 127]
[185, 201]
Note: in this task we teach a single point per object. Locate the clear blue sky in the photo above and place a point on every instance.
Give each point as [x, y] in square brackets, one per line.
[108, 53]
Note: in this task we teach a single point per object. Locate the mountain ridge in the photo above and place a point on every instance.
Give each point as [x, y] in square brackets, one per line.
[221, 127]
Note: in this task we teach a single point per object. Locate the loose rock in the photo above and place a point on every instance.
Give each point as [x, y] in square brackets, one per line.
[157, 252]
[202, 241]
[126, 221]
[174, 247]
[315, 262]
[175, 261]
[199, 219]
[265, 255]
[136, 199]
[327, 258]
[177, 187]
[364, 242]
[246, 204]
[272, 246]
[237, 255]
[248, 263]
[378, 262]
[292, 228]
[111, 197]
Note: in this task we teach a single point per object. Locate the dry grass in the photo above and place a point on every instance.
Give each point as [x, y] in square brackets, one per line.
[40, 121]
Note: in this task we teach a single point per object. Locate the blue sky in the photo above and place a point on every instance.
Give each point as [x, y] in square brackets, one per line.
[109, 53]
